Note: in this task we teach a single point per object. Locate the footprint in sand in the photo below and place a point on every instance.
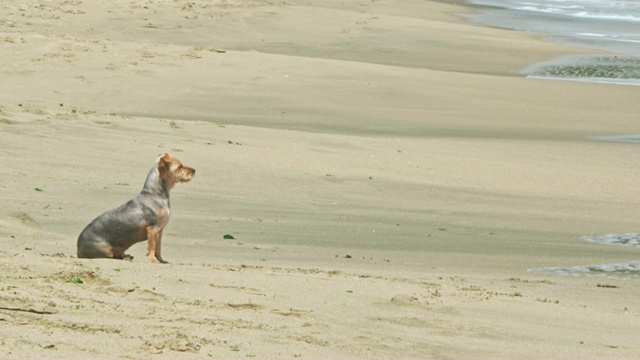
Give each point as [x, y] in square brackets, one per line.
[23, 219]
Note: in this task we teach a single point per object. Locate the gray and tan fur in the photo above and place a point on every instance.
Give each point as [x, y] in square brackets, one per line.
[141, 218]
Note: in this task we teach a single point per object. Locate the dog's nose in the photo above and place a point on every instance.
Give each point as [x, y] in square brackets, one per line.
[194, 171]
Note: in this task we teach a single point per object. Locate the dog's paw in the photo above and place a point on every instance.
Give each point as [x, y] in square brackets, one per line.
[157, 260]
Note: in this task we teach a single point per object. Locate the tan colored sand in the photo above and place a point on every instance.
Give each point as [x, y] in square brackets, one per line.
[387, 175]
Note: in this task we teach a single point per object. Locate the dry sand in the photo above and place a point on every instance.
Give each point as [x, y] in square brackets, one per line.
[387, 175]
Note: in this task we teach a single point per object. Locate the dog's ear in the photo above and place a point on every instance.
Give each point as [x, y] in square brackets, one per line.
[164, 157]
[164, 162]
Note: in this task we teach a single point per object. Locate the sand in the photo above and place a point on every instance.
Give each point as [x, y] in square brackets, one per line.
[387, 176]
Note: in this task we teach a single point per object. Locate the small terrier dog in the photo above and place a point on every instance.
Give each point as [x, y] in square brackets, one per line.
[141, 218]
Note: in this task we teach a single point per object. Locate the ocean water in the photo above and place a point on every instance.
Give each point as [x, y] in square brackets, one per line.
[603, 25]
[609, 25]
[627, 270]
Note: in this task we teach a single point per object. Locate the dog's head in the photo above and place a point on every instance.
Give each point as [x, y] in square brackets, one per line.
[172, 171]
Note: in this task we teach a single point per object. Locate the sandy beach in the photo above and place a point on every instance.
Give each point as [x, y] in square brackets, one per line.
[387, 177]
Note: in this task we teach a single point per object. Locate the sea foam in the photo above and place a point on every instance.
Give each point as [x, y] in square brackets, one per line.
[626, 270]
[599, 24]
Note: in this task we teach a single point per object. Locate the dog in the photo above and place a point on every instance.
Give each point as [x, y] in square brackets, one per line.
[141, 218]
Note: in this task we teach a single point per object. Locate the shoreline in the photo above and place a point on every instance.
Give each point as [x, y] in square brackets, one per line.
[598, 62]
[378, 209]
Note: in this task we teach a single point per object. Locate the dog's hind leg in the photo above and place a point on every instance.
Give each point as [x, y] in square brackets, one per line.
[118, 253]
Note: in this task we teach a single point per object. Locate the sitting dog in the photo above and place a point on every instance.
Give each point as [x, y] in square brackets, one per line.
[141, 218]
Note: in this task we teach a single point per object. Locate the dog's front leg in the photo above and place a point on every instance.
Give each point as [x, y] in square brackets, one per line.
[154, 238]
[159, 247]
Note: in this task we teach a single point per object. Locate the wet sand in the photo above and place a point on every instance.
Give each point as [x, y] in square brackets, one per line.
[387, 176]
